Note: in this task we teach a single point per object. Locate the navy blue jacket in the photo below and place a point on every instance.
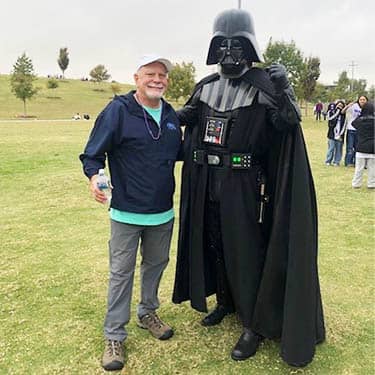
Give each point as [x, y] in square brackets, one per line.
[141, 168]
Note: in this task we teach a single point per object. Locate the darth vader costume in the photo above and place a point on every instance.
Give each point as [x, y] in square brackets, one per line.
[248, 215]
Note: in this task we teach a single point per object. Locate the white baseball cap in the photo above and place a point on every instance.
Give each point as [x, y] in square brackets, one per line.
[148, 59]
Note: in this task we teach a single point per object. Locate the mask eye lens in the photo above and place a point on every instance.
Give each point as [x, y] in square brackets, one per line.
[222, 49]
[225, 44]
[231, 44]
[236, 44]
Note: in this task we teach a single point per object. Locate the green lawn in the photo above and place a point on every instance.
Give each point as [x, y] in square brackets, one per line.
[54, 268]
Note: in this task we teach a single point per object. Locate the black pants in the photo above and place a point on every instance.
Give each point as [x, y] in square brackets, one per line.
[213, 244]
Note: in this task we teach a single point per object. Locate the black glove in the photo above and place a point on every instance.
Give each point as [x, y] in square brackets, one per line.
[278, 76]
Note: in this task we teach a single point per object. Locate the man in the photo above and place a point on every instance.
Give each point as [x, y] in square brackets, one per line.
[140, 134]
[248, 229]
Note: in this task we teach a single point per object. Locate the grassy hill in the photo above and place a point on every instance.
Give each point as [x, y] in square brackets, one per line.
[70, 97]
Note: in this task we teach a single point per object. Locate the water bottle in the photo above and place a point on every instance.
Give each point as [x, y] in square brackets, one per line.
[104, 184]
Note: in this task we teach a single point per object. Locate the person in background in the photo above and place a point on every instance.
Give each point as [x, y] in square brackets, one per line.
[140, 134]
[365, 154]
[335, 135]
[318, 110]
[352, 111]
[324, 113]
[329, 107]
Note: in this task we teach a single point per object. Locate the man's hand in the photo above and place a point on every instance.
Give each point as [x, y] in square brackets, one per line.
[279, 77]
[98, 195]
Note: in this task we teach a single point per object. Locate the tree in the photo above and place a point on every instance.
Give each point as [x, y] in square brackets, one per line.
[116, 88]
[181, 81]
[99, 73]
[308, 78]
[348, 89]
[358, 87]
[322, 93]
[342, 88]
[63, 59]
[22, 78]
[287, 54]
[371, 92]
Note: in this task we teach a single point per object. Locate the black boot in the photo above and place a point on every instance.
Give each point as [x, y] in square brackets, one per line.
[247, 345]
[216, 315]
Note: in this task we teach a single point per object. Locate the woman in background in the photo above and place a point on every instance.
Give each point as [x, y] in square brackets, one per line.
[335, 135]
[352, 111]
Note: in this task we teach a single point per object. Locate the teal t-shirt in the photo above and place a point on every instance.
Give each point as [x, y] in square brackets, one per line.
[141, 219]
[144, 219]
[155, 113]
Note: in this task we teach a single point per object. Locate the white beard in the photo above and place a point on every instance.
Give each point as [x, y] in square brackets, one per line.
[154, 95]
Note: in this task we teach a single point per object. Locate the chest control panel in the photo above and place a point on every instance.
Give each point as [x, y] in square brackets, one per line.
[241, 161]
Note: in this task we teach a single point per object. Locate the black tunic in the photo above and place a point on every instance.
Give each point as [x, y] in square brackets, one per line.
[271, 267]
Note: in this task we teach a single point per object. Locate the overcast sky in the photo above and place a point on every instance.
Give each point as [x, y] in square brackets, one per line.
[117, 32]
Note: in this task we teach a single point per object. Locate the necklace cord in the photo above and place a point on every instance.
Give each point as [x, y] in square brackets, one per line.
[154, 137]
[147, 124]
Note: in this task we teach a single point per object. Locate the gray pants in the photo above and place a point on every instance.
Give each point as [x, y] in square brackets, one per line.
[123, 245]
[360, 164]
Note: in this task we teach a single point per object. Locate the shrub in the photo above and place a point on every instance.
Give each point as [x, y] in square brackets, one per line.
[52, 83]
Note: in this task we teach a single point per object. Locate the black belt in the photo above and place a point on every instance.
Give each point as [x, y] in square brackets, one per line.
[235, 160]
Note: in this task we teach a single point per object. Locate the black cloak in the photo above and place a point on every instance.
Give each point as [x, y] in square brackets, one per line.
[287, 304]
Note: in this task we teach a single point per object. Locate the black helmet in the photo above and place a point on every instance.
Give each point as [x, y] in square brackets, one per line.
[238, 24]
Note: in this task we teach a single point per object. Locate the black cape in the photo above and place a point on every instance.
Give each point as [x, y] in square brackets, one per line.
[288, 305]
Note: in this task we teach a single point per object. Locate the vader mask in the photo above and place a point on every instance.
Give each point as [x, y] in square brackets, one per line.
[233, 45]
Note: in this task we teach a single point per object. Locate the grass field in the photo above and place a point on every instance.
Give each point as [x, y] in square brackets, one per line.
[54, 268]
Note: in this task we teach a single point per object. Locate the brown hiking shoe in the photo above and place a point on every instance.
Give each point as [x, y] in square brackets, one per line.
[156, 326]
[113, 356]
